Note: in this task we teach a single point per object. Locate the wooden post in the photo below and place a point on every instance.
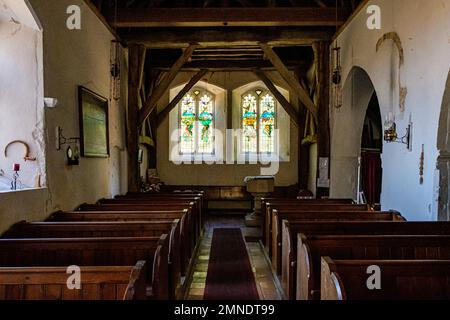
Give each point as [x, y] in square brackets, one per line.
[303, 150]
[322, 58]
[136, 59]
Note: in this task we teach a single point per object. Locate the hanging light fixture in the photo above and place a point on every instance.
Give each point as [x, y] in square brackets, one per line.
[337, 65]
[115, 62]
[337, 70]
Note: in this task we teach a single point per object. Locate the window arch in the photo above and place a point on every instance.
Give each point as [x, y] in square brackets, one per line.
[197, 121]
[258, 120]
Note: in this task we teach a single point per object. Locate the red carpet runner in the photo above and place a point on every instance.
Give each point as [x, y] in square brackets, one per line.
[230, 275]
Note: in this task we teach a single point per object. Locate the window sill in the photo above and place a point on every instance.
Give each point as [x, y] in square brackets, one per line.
[21, 190]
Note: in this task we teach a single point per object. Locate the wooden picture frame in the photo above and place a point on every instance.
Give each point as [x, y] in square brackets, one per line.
[94, 124]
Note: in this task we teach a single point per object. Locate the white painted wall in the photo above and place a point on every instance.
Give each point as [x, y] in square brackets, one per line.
[221, 174]
[424, 28]
[71, 58]
[21, 95]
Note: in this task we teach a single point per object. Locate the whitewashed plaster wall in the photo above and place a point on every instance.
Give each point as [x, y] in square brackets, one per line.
[424, 29]
[221, 174]
[71, 58]
[21, 94]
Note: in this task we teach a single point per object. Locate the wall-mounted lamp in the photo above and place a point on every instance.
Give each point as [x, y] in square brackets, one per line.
[391, 135]
[73, 154]
[50, 102]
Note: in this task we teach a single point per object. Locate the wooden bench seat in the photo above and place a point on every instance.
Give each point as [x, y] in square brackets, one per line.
[192, 220]
[186, 246]
[50, 283]
[291, 228]
[302, 207]
[154, 204]
[113, 229]
[143, 215]
[310, 249]
[400, 280]
[294, 201]
[279, 215]
[197, 196]
[64, 252]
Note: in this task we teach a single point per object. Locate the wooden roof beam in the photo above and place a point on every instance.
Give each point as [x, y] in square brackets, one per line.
[172, 104]
[150, 104]
[290, 79]
[232, 17]
[287, 106]
[181, 38]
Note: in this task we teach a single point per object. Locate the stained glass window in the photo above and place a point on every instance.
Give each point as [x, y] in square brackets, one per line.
[187, 124]
[249, 123]
[197, 123]
[258, 122]
[267, 124]
[205, 119]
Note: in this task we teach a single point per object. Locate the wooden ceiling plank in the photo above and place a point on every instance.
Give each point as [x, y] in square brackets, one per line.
[290, 79]
[150, 104]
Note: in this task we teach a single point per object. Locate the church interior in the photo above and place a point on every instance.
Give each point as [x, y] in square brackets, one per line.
[224, 150]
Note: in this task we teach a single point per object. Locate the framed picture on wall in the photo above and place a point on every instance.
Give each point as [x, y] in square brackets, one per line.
[94, 124]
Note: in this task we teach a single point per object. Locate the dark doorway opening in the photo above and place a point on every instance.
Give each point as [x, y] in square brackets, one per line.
[371, 149]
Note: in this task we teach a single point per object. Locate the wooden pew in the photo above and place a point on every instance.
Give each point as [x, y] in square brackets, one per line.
[294, 201]
[400, 280]
[196, 194]
[199, 197]
[50, 283]
[191, 220]
[292, 227]
[137, 216]
[310, 249]
[193, 203]
[289, 214]
[64, 252]
[111, 229]
[303, 207]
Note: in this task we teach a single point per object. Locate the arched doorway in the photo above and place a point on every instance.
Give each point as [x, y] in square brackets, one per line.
[371, 149]
[348, 125]
[443, 161]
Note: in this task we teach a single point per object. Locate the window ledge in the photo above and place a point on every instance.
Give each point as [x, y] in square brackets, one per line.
[22, 190]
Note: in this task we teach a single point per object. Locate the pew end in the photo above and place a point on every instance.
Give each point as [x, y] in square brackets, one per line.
[331, 287]
[50, 283]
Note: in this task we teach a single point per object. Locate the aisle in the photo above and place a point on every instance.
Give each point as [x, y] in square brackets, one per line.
[229, 275]
[264, 280]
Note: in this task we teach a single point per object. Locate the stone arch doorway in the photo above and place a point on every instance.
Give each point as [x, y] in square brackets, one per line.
[347, 132]
[443, 161]
[371, 150]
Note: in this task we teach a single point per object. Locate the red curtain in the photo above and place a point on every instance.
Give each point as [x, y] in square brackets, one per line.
[371, 176]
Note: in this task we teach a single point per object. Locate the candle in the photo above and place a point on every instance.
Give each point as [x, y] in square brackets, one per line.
[16, 167]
